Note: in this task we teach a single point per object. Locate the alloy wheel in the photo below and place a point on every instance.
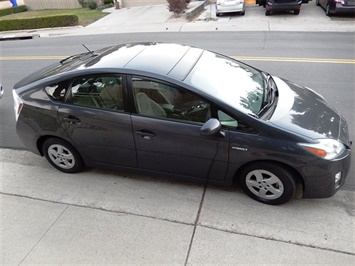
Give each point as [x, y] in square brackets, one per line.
[61, 156]
[264, 184]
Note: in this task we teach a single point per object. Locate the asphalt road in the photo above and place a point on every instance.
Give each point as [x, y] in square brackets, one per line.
[316, 60]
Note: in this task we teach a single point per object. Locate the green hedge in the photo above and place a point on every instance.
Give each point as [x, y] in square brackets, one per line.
[37, 23]
[12, 10]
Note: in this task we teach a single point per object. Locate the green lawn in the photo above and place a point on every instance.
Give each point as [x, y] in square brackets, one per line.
[86, 16]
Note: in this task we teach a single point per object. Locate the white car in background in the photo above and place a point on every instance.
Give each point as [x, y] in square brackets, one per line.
[228, 6]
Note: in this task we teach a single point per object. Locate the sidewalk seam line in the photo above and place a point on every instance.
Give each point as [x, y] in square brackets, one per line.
[97, 208]
[277, 240]
[39, 240]
[196, 223]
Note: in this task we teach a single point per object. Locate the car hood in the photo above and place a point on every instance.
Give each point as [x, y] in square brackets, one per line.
[303, 111]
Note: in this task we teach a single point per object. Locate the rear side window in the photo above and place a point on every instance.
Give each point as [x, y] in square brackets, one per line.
[103, 92]
[57, 91]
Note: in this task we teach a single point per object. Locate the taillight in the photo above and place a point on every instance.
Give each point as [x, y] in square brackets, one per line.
[18, 104]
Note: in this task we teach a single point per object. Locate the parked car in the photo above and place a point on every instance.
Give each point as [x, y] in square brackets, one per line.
[180, 111]
[228, 6]
[333, 7]
[280, 5]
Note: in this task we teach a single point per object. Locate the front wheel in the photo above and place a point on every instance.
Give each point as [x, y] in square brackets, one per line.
[62, 155]
[269, 183]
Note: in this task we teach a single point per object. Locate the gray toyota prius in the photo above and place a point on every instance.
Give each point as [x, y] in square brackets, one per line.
[179, 111]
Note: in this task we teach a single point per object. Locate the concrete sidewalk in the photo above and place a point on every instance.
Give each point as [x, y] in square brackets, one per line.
[104, 217]
[157, 18]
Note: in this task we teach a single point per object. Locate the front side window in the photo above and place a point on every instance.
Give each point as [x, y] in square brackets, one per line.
[104, 91]
[158, 99]
[226, 120]
[234, 124]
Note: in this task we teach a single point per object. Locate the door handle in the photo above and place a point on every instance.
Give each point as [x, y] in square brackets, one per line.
[72, 120]
[146, 134]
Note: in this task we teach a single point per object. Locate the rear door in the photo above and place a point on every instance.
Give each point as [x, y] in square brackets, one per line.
[94, 117]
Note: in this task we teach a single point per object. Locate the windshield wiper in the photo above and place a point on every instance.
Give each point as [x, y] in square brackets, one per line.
[270, 94]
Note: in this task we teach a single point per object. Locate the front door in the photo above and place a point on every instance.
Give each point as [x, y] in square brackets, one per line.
[166, 130]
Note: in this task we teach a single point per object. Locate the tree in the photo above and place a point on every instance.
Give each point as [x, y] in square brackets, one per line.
[177, 6]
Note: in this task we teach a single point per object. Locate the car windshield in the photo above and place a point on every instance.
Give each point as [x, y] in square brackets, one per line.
[230, 81]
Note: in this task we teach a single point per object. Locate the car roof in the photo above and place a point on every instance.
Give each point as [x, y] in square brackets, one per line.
[168, 59]
[171, 59]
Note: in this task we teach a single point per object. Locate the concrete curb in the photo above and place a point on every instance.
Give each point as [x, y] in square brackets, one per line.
[156, 18]
[195, 10]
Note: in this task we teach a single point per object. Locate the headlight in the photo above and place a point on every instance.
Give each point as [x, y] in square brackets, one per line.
[328, 149]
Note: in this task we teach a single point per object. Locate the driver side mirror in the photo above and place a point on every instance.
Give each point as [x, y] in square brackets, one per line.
[212, 127]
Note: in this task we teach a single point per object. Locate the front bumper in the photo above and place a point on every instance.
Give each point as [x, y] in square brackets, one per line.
[341, 9]
[321, 183]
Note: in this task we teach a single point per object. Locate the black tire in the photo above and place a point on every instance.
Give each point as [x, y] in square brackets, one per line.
[327, 10]
[296, 12]
[317, 3]
[63, 156]
[242, 13]
[268, 183]
[267, 12]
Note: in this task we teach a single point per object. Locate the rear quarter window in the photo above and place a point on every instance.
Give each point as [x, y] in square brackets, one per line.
[56, 91]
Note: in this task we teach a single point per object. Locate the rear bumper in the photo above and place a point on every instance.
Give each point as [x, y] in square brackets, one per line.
[283, 6]
[28, 136]
[228, 9]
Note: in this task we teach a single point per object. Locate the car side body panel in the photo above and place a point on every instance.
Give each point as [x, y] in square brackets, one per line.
[178, 148]
[103, 136]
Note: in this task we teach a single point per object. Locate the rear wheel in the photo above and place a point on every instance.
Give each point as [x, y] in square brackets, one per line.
[296, 12]
[62, 155]
[317, 3]
[269, 183]
[267, 12]
[327, 10]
